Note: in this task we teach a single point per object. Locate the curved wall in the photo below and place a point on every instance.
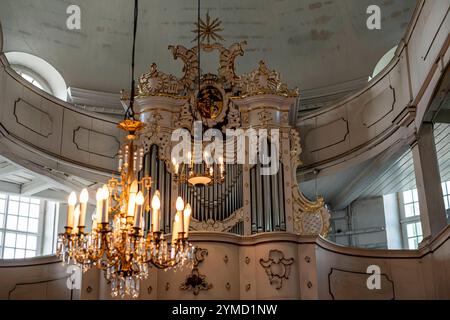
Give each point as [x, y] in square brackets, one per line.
[391, 109]
[313, 269]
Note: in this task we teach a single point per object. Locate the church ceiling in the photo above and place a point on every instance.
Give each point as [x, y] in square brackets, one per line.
[313, 44]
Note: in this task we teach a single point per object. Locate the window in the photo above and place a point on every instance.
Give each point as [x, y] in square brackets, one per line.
[414, 234]
[19, 226]
[411, 203]
[33, 80]
[39, 72]
[411, 224]
[384, 62]
[446, 193]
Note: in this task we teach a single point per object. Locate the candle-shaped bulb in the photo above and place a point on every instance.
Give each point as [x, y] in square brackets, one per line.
[99, 195]
[187, 210]
[84, 196]
[104, 195]
[72, 199]
[139, 198]
[70, 209]
[187, 219]
[179, 204]
[132, 198]
[105, 192]
[138, 210]
[76, 216]
[156, 203]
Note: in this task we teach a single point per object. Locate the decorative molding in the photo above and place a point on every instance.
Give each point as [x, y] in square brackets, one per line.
[17, 285]
[310, 217]
[339, 126]
[277, 267]
[29, 116]
[93, 135]
[195, 281]
[347, 278]
[218, 226]
[373, 114]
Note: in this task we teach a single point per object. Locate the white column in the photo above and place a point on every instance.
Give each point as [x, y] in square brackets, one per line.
[428, 181]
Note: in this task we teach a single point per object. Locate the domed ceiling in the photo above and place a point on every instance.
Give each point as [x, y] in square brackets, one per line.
[314, 44]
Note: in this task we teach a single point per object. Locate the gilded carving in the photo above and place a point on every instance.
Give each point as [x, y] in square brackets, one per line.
[156, 82]
[264, 81]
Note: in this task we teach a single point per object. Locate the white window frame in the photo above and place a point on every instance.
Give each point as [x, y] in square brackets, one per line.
[404, 221]
[38, 234]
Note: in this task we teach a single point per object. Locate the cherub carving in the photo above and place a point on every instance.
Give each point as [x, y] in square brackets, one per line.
[277, 267]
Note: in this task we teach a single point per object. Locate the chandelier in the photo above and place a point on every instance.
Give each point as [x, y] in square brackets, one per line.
[119, 242]
[201, 169]
[126, 238]
[199, 173]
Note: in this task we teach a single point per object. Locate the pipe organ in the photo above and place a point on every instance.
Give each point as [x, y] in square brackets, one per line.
[244, 201]
[267, 202]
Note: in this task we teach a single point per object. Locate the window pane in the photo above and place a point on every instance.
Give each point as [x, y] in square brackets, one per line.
[23, 209]
[20, 254]
[410, 232]
[12, 223]
[419, 229]
[33, 225]
[407, 197]
[416, 209]
[412, 243]
[2, 205]
[27, 77]
[34, 211]
[30, 254]
[21, 241]
[444, 188]
[35, 201]
[10, 239]
[2, 218]
[1, 239]
[13, 207]
[14, 198]
[446, 202]
[8, 253]
[25, 199]
[23, 224]
[415, 195]
[31, 242]
[409, 210]
[448, 186]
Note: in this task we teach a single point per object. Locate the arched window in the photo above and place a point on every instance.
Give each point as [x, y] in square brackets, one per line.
[383, 63]
[38, 72]
[32, 78]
